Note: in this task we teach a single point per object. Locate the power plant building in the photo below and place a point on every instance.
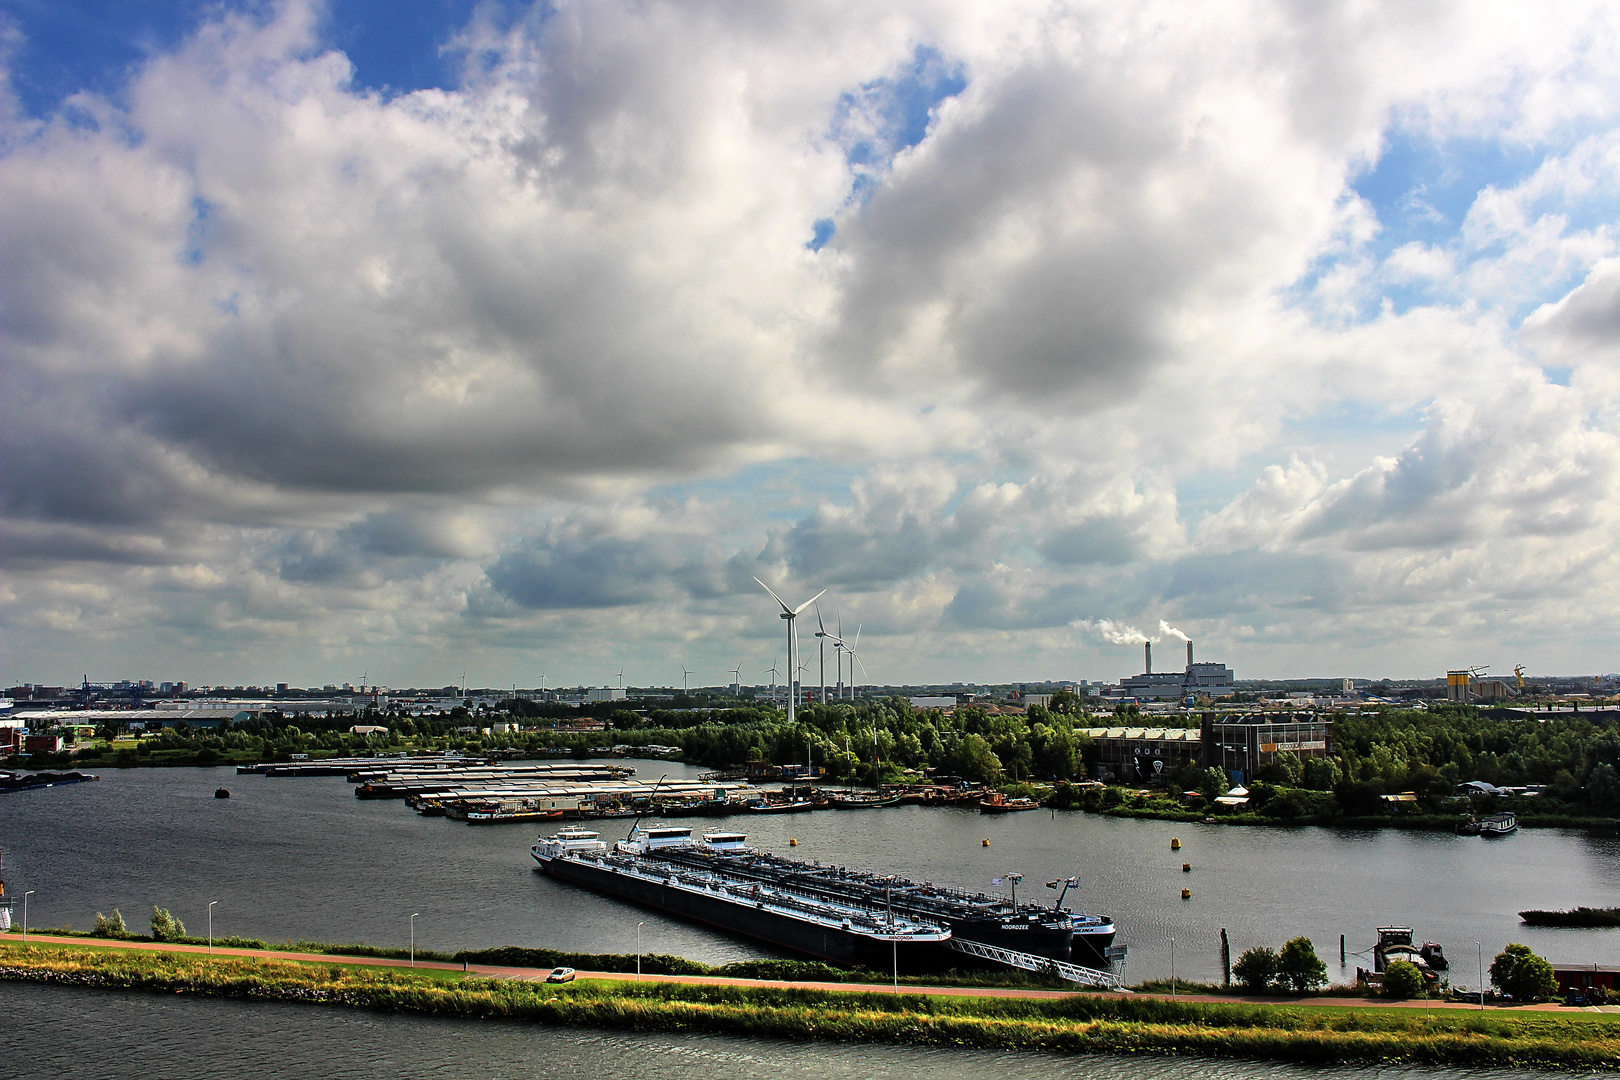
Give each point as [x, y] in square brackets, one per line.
[1200, 679]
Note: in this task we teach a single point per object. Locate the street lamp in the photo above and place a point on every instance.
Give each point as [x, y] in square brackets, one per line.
[26, 895]
[1172, 967]
[638, 949]
[211, 904]
[1479, 954]
[413, 938]
[1015, 879]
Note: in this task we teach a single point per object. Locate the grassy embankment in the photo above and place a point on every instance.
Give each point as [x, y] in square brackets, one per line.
[626, 963]
[1075, 1024]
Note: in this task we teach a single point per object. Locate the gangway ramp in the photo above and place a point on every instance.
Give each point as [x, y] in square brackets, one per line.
[1074, 973]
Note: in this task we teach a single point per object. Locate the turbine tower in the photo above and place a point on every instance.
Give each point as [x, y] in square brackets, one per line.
[821, 646]
[788, 615]
[684, 676]
[736, 679]
[854, 658]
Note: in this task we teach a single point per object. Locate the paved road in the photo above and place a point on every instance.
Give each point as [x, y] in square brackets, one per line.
[539, 974]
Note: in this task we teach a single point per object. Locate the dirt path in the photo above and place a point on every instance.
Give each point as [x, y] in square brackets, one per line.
[539, 974]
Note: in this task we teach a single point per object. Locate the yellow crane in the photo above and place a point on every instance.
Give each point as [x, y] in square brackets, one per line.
[1518, 673]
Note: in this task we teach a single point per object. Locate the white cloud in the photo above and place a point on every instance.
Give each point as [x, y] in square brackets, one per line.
[290, 367]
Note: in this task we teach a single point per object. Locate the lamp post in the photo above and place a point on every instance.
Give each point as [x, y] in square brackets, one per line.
[26, 895]
[211, 904]
[1015, 879]
[638, 950]
[1479, 954]
[413, 938]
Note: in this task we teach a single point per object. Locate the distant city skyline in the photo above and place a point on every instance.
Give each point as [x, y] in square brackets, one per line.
[518, 339]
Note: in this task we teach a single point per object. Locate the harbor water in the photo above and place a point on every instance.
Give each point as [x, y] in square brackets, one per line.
[95, 1035]
[302, 858]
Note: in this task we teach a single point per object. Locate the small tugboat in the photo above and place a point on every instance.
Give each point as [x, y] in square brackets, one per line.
[998, 803]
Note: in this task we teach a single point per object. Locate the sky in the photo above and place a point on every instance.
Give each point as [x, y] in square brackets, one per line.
[434, 340]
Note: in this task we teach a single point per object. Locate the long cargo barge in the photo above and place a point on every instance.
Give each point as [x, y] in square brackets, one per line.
[1053, 932]
[849, 932]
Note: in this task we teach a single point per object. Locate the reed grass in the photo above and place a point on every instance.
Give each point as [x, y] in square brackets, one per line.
[1072, 1024]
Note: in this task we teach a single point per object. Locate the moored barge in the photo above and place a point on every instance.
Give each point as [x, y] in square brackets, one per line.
[664, 868]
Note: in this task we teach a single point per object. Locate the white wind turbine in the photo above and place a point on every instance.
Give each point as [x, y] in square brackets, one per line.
[854, 658]
[736, 678]
[685, 674]
[788, 615]
[821, 645]
[773, 674]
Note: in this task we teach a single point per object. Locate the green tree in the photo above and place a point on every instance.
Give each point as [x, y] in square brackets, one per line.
[1523, 975]
[1214, 783]
[1256, 969]
[1299, 966]
[1402, 979]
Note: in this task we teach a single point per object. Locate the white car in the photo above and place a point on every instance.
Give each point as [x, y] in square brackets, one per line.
[561, 975]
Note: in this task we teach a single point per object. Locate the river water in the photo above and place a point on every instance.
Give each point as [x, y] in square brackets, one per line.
[291, 858]
[96, 1035]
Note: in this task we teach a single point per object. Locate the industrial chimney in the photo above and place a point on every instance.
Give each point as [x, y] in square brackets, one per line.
[1147, 651]
[1189, 654]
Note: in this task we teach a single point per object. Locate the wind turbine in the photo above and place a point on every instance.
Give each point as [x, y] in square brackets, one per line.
[684, 676]
[621, 676]
[821, 646]
[736, 678]
[788, 615]
[854, 658]
[773, 673]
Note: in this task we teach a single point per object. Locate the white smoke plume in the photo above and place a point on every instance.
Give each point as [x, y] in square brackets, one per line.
[1168, 631]
[1116, 633]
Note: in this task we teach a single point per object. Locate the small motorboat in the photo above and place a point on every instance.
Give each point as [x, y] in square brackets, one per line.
[221, 793]
[799, 807]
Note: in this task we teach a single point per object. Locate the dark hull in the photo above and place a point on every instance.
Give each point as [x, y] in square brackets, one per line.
[801, 936]
[1087, 949]
[1037, 940]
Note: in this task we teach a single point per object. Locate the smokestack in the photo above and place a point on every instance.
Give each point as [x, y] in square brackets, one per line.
[1189, 652]
[1147, 651]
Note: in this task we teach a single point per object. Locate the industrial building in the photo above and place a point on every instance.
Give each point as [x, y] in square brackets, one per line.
[1142, 754]
[1238, 745]
[1198, 680]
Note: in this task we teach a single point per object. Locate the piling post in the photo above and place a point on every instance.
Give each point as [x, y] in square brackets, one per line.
[1341, 950]
[1226, 960]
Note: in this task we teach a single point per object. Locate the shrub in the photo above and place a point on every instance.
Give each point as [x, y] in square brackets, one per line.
[1256, 969]
[110, 926]
[1402, 980]
[166, 927]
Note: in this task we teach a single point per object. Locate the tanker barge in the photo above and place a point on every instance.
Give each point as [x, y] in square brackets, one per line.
[1052, 932]
[703, 885]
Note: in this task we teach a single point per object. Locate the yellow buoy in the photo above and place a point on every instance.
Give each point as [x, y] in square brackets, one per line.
[1186, 894]
[793, 843]
[1186, 868]
[987, 841]
[1175, 845]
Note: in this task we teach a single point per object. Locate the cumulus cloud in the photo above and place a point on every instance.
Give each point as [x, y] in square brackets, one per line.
[981, 316]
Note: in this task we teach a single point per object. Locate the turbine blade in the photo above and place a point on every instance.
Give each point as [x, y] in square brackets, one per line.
[807, 603]
[778, 599]
[821, 627]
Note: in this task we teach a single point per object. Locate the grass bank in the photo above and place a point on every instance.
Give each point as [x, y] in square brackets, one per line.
[1074, 1024]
